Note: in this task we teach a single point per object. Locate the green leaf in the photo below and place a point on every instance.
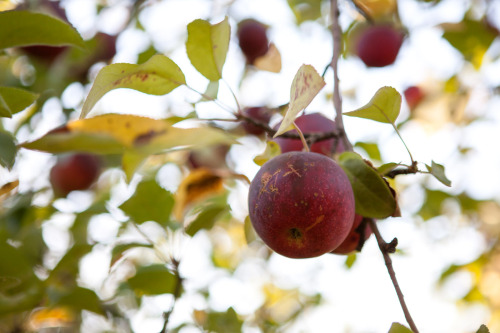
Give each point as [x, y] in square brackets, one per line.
[8, 150]
[384, 106]
[471, 38]
[371, 149]
[14, 100]
[386, 168]
[157, 76]
[224, 321]
[432, 204]
[371, 192]
[22, 28]
[66, 271]
[398, 328]
[207, 46]
[206, 219]
[250, 234]
[305, 10]
[131, 162]
[211, 92]
[153, 280]
[81, 299]
[305, 86]
[272, 149]
[483, 329]
[119, 250]
[150, 202]
[437, 170]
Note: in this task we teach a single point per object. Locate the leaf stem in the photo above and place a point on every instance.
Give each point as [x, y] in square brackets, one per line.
[397, 132]
[337, 49]
[302, 138]
[387, 248]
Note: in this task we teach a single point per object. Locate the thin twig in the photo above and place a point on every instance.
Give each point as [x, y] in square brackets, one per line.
[387, 248]
[337, 50]
[176, 294]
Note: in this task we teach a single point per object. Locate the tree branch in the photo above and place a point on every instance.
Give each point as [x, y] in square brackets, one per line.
[337, 50]
[387, 248]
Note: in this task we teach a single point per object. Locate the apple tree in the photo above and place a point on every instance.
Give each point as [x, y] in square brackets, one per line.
[159, 156]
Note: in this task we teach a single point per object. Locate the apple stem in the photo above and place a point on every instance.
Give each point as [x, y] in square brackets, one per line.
[302, 138]
[337, 49]
[387, 248]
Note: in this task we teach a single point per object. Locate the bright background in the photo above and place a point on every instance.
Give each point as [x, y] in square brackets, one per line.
[360, 299]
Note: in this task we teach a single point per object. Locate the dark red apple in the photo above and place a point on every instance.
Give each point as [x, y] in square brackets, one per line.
[413, 95]
[301, 204]
[309, 124]
[258, 113]
[74, 173]
[105, 48]
[378, 45]
[353, 240]
[252, 37]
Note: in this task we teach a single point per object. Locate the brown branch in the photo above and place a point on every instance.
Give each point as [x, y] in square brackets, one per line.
[176, 294]
[310, 137]
[337, 50]
[387, 248]
[408, 170]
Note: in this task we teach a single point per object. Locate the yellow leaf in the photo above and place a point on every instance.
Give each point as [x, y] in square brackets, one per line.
[377, 8]
[305, 86]
[271, 61]
[46, 317]
[198, 185]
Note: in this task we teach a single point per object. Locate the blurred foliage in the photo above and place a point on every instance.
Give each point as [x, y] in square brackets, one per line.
[41, 279]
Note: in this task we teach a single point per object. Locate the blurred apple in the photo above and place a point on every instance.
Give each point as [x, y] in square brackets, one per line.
[413, 95]
[252, 38]
[76, 172]
[378, 45]
[259, 113]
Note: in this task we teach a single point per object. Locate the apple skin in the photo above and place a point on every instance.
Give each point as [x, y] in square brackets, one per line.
[252, 38]
[301, 204]
[308, 124]
[413, 95]
[76, 172]
[351, 243]
[259, 113]
[378, 45]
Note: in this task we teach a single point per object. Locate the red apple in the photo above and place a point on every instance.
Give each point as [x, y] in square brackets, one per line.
[309, 124]
[354, 240]
[106, 47]
[378, 45]
[413, 95]
[252, 37]
[301, 204]
[259, 113]
[75, 172]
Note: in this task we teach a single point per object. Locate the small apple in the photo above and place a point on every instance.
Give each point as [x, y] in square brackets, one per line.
[301, 204]
[105, 48]
[309, 124]
[252, 37]
[354, 239]
[378, 45]
[259, 113]
[413, 95]
[74, 173]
